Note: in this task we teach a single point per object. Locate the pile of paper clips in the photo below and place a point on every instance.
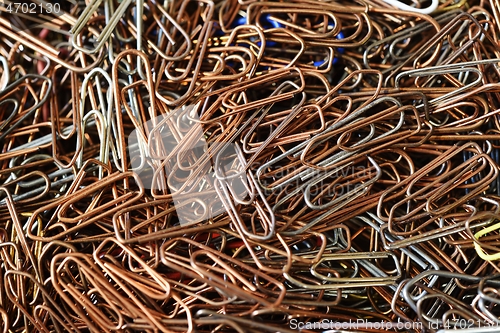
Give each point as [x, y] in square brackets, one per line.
[250, 166]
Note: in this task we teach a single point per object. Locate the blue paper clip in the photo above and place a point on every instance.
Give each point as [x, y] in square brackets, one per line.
[335, 60]
[267, 23]
[218, 31]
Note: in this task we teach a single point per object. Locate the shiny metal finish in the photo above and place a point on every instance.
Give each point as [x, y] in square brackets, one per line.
[242, 165]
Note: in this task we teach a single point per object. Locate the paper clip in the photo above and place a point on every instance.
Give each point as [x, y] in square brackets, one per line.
[400, 5]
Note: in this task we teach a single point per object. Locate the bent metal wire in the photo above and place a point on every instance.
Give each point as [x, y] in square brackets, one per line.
[241, 165]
